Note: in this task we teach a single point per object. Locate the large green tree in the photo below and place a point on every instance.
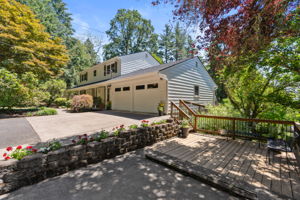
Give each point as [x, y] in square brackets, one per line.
[53, 15]
[24, 44]
[129, 33]
[91, 51]
[166, 44]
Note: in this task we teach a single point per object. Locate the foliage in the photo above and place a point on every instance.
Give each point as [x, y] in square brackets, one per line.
[108, 106]
[83, 139]
[12, 92]
[157, 58]
[185, 124]
[129, 33]
[118, 130]
[251, 92]
[159, 122]
[24, 36]
[91, 51]
[19, 152]
[60, 101]
[102, 135]
[81, 102]
[279, 112]
[51, 146]
[80, 59]
[225, 108]
[54, 88]
[240, 27]
[144, 123]
[53, 15]
[46, 111]
[133, 126]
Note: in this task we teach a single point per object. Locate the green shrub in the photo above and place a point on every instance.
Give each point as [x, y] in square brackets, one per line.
[133, 126]
[42, 111]
[60, 101]
[45, 111]
[102, 135]
[82, 102]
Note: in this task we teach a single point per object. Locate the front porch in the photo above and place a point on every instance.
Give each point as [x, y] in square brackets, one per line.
[238, 166]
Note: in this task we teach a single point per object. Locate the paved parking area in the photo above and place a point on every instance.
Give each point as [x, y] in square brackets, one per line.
[16, 130]
[30, 130]
[127, 177]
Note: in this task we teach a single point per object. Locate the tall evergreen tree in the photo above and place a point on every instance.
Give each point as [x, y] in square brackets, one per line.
[166, 44]
[89, 45]
[180, 41]
[129, 33]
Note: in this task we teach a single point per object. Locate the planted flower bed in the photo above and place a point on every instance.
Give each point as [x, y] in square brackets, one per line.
[54, 159]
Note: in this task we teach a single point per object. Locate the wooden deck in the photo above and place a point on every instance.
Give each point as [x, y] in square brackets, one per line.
[239, 159]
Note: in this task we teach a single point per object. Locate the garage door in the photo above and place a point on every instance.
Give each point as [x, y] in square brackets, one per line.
[122, 98]
[146, 97]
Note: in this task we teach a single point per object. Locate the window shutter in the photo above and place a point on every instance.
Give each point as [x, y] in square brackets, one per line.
[104, 70]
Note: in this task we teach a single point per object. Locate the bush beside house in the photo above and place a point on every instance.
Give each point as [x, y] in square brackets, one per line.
[82, 102]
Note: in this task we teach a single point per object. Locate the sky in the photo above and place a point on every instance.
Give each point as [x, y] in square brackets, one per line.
[92, 17]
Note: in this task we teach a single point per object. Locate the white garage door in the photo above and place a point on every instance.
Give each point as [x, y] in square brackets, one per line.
[146, 97]
[122, 98]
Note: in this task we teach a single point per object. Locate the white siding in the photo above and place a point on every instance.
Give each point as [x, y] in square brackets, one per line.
[136, 62]
[184, 76]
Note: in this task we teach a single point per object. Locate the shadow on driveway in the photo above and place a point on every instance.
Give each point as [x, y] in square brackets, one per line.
[126, 177]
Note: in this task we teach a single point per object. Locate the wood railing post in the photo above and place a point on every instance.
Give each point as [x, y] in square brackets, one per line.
[233, 129]
[195, 124]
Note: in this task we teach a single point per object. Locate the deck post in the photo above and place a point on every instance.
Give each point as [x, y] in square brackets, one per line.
[195, 124]
[233, 129]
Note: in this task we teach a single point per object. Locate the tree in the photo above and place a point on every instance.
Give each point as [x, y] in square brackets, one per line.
[129, 33]
[80, 59]
[180, 41]
[25, 46]
[91, 51]
[12, 92]
[53, 15]
[166, 44]
[239, 27]
[55, 89]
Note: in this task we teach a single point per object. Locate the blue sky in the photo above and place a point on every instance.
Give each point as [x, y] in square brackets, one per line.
[92, 17]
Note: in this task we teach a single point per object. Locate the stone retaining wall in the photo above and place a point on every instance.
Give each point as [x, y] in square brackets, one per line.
[35, 168]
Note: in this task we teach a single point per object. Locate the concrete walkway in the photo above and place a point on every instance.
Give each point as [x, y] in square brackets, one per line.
[126, 177]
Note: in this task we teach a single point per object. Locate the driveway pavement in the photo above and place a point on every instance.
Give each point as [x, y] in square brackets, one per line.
[126, 177]
[43, 128]
[16, 130]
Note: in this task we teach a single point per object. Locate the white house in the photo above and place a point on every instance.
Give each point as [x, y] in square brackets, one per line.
[138, 82]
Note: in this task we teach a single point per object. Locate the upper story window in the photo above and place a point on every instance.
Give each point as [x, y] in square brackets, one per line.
[114, 67]
[104, 70]
[196, 90]
[117, 89]
[95, 72]
[154, 85]
[84, 77]
[108, 69]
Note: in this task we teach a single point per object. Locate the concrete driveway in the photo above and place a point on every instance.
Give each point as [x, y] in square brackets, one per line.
[34, 129]
[126, 177]
[14, 131]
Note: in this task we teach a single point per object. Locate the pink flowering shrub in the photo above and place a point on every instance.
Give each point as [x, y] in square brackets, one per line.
[81, 102]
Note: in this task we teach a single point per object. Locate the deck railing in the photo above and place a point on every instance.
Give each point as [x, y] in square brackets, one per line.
[236, 127]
